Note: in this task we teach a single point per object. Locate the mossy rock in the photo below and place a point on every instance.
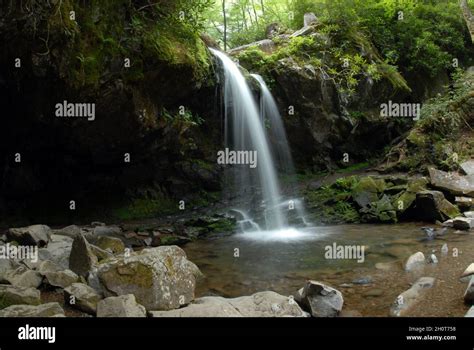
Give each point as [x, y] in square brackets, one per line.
[366, 191]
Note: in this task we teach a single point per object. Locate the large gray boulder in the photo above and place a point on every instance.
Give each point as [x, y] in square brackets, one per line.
[320, 300]
[82, 258]
[11, 295]
[121, 306]
[405, 301]
[455, 184]
[37, 235]
[24, 277]
[44, 310]
[263, 304]
[160, 278]
[57, 251]
[82, 297]
[56, 276]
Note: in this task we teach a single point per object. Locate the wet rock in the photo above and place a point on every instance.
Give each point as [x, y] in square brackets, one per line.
[415, 261]
[160, 278]
[320, 300]
[363, 280]
[11, 295]
[82, 297]
[44, 310]
[385, 266]
[112, 244]
[469, 293]
[468, 167]
[263, 304]
[373, 293]
[37, 235]
[464, 224]
[82, 258]
[453, 183]
[468, 273]
[121, 306]
[24, 277]
[432, 259]
[432, 206]
[57, 251]
[405, 301]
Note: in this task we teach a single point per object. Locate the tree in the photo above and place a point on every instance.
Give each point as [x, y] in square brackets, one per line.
[468, 17]
[225, 24]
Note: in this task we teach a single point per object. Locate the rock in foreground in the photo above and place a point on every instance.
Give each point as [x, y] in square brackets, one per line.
[263, 304]
[160, 278]
[320, 300]
[44, 310]
[121, 306]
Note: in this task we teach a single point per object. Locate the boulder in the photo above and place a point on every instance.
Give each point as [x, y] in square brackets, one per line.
[432, 206]
[82, 259]
[11, 295]
[100, 231]
[82, 297]
[320, 300]
[263, 304]
[112, 244]
[61, 279]
[468, 273]
[411, 297]
[468, 167]
[464, 224]
[100, 253]
[469, 214]
[160, 278]
[37, 235]
[432, 259]
[6, 265]
[469, 293]
[455, 184]
[70, 231]
[415, 261]
[366, 191]
[44, 310]
[24, 277]
[57, 251]
[121, 306]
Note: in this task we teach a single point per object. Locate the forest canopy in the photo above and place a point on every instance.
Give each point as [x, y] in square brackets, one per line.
[415, 35]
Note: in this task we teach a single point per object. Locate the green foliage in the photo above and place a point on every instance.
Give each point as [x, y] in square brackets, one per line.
[143, 208]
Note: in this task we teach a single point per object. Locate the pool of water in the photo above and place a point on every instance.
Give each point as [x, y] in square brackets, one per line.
[242, 264]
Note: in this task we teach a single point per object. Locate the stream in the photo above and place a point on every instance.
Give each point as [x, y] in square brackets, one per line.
[243, 264]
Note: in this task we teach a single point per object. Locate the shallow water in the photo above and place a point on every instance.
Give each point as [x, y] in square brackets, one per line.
[243, 264]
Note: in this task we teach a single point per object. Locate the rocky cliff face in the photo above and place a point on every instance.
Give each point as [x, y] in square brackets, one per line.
[150, 80]
[330, 87]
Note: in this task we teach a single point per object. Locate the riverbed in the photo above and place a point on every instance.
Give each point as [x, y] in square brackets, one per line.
[243, 264]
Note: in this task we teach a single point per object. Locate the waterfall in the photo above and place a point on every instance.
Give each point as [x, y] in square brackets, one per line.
[244, 131]
[276, 131]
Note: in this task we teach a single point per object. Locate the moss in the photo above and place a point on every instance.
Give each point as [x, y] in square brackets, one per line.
[223, 225]
[143, 208]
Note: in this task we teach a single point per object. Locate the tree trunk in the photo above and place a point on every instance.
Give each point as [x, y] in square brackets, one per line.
[225, 24]
[468, 17]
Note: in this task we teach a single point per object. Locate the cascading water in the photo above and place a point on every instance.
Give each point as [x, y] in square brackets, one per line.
[269, 112]
[245, 132]
[276, 133]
